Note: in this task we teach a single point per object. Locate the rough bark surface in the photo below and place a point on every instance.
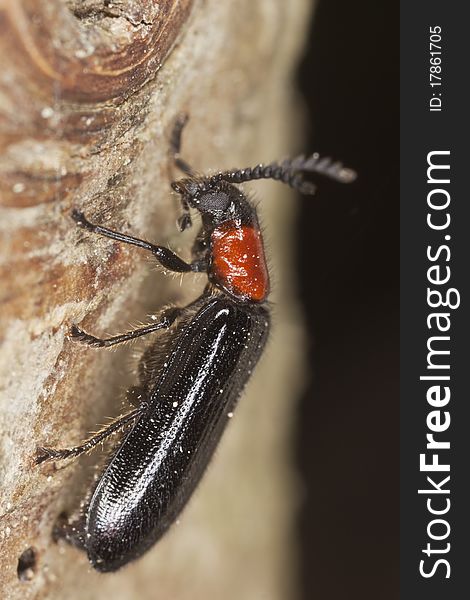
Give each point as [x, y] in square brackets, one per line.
[88, 92]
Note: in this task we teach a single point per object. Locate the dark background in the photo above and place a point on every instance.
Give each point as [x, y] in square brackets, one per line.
[348, 256]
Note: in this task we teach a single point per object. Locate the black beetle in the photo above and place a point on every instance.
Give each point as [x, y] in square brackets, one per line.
[187, 392]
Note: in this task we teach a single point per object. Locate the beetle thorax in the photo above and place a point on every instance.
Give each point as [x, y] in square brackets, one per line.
[238, 264]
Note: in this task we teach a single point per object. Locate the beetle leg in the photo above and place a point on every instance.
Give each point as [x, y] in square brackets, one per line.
[165, 256]
[175, 145]
[167, 320]
[72, 532]
[184, 221]
[44, 454]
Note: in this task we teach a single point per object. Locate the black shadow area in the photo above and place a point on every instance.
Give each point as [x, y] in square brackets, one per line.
[348, 257]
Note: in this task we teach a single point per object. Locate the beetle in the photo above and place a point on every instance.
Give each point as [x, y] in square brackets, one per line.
[191, 375]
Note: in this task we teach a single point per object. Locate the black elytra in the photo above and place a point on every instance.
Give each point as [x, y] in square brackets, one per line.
[186, 393]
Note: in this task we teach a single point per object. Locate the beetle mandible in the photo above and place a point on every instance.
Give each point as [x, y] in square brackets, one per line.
[188, 392]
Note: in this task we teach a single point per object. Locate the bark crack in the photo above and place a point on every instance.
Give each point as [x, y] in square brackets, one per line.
[109, 9]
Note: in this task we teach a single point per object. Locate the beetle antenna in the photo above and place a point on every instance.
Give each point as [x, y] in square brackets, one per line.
[289, 171]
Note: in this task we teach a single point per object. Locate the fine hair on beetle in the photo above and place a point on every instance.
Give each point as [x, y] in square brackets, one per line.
[193, 370]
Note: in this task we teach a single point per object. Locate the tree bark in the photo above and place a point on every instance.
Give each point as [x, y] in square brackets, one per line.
[88, 92]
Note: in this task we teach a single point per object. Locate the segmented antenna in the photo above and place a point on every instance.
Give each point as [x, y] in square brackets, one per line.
[289, 171]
